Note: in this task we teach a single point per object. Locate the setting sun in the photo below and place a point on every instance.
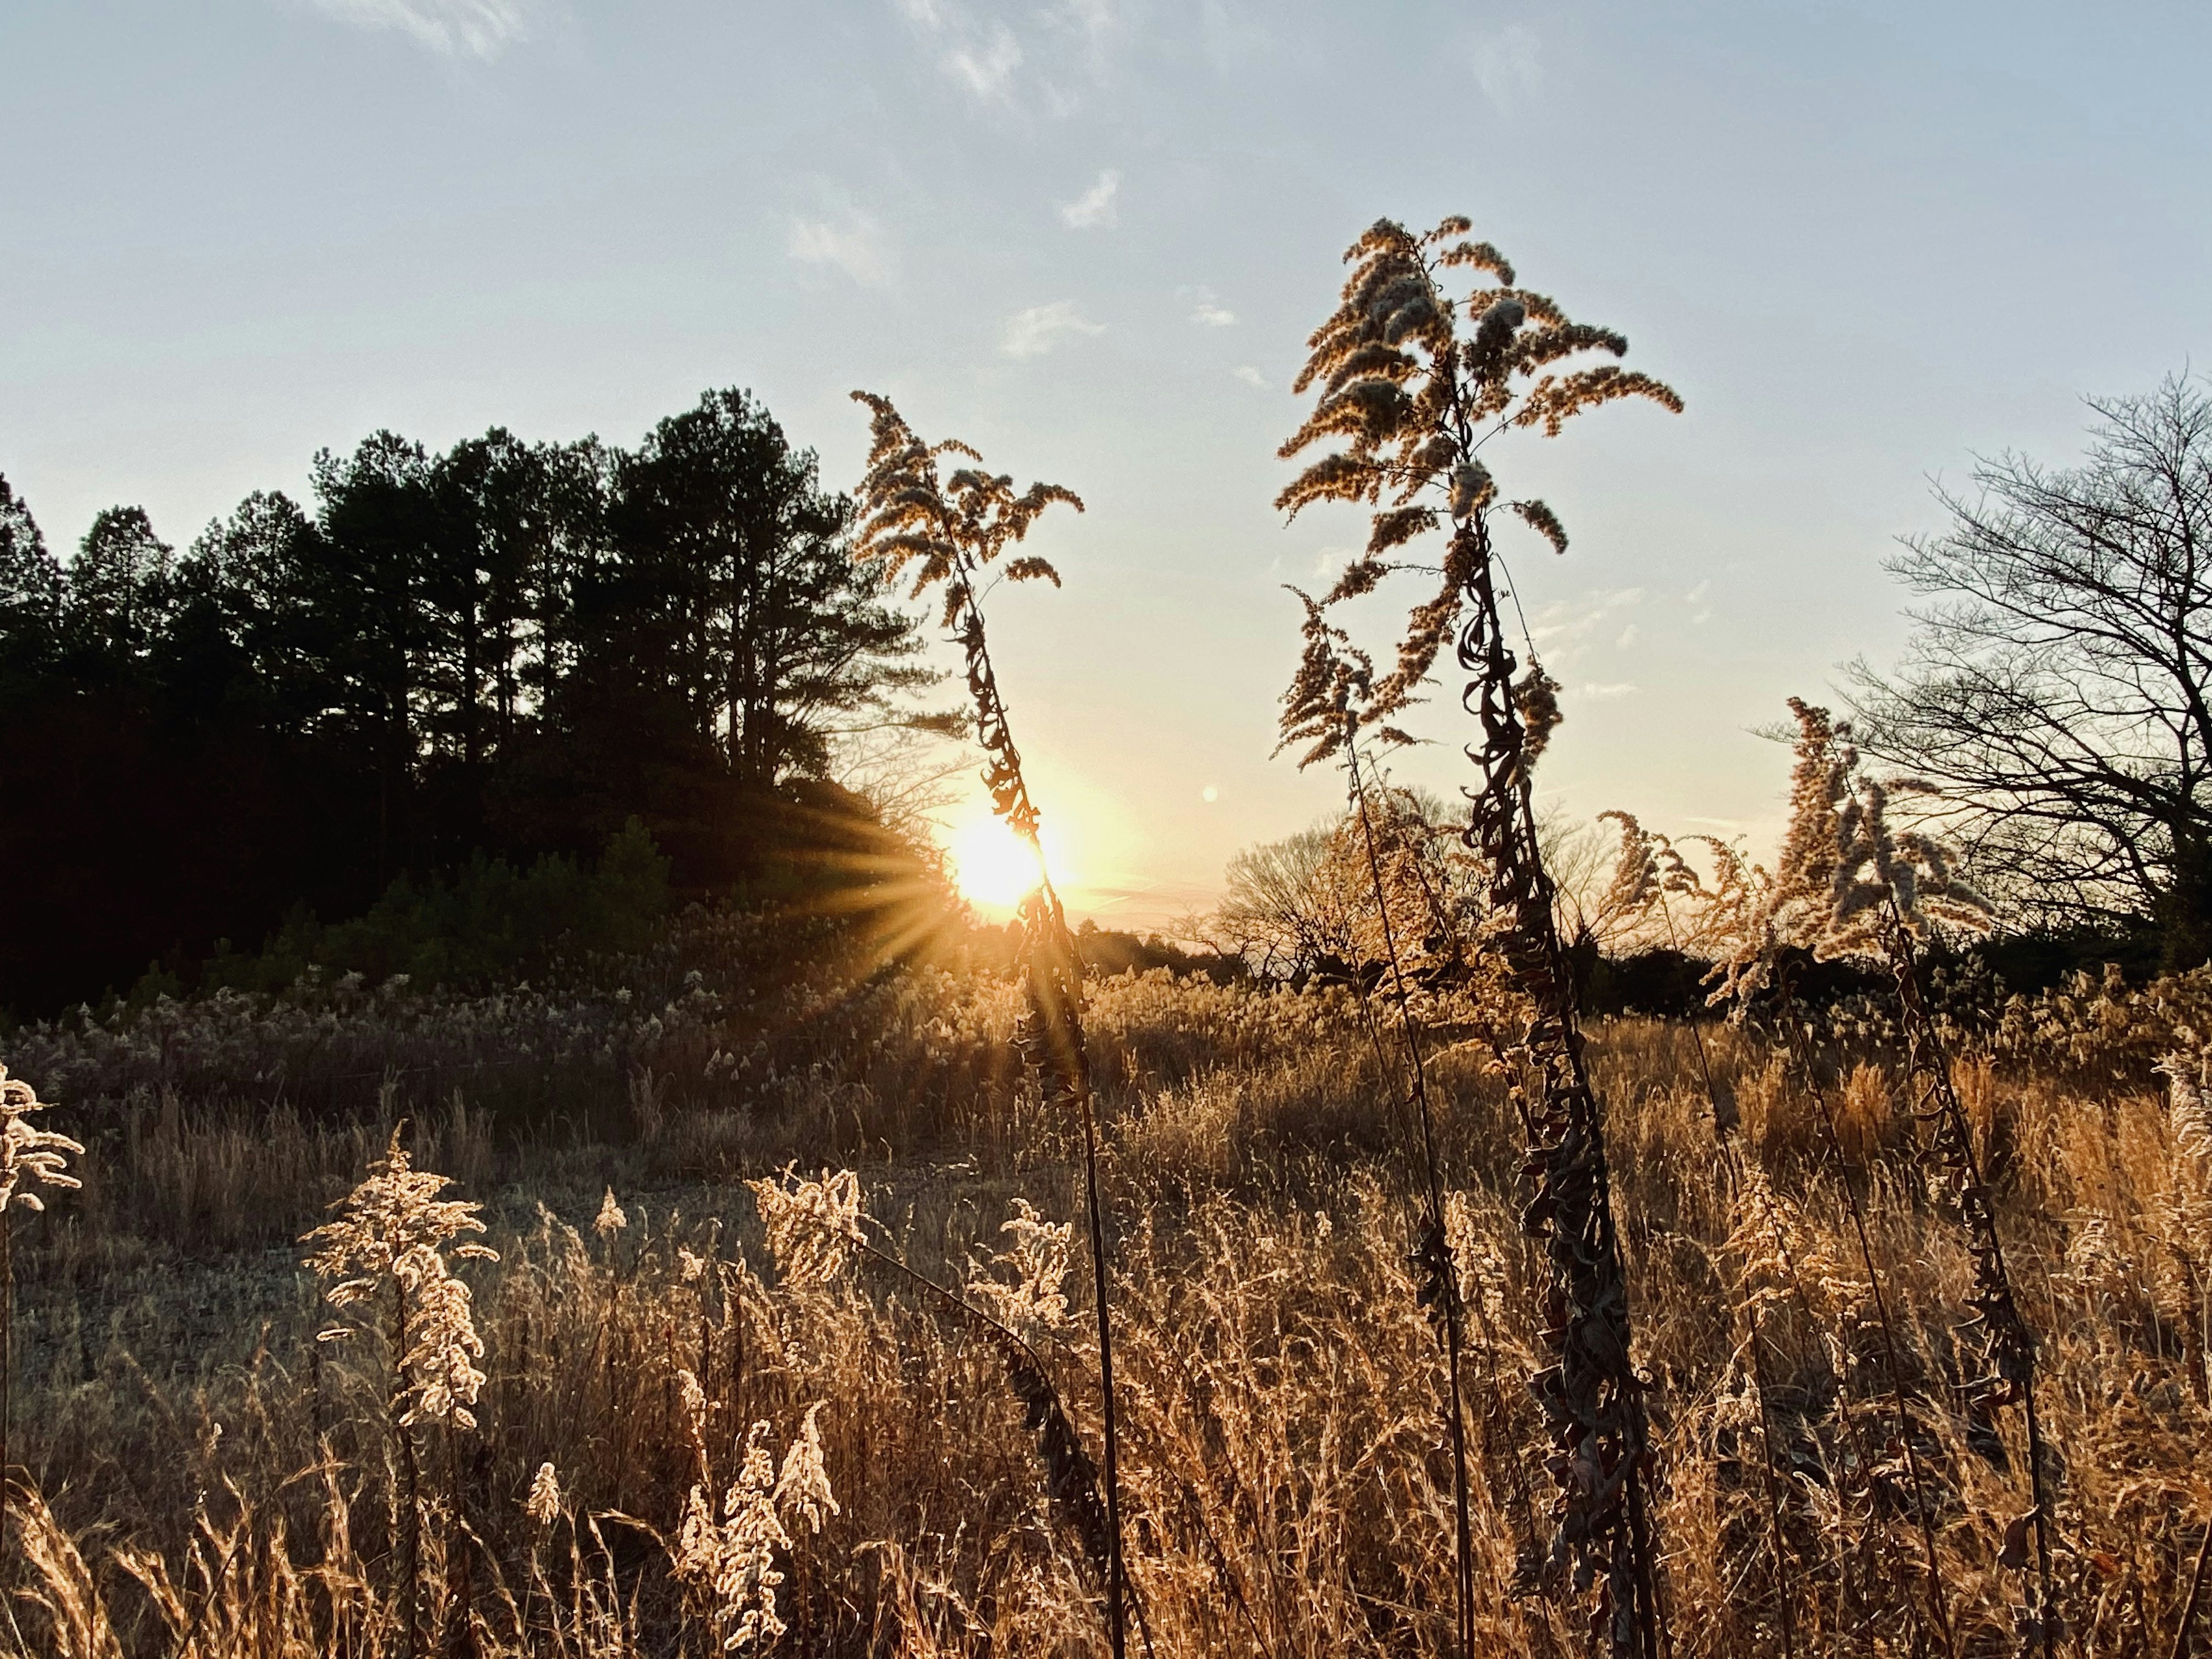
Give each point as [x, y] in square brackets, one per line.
[992, 865]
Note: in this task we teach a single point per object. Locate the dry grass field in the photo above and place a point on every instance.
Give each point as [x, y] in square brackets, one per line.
[690, 1432]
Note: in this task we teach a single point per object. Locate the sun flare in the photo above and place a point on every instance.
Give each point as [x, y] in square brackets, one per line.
[992, 865]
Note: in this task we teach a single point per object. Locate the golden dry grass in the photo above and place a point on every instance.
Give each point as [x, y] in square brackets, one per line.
[202, 1476]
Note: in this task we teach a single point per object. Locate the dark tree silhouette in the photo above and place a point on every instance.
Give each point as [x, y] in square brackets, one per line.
[2059, 686]
[767, 629]
[508, 648]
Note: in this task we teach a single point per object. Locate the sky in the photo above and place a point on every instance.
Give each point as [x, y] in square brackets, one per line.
[1865, 242]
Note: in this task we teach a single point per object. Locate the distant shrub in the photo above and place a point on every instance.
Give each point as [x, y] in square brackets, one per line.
[491, 923]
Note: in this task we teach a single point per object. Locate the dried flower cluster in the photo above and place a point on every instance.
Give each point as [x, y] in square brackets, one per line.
[732, 1563]
[543, 1506]
[1849, 886]
[810, 1224]
[2189, 1103]
[394, 1233]
[1037, 1254]
[1411, 402]
[29, 1156]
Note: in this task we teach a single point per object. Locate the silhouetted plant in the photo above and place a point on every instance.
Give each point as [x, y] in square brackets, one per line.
[1412, 404]
[952, 530]
[1850, 887]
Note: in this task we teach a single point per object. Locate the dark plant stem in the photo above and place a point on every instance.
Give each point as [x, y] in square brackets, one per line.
[1116, 1572]
[1591, 1396]
[2011, 1346]
[411, 1514]
[1047, 1413]
[2196, 1592]
[1053, 1039]
[1434, 1249]
[1731, 1156]
[7, 1358]
[1893, 1367]
[1782, 1597]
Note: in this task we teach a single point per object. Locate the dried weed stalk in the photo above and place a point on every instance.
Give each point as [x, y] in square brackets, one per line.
[29, 1156]
[1410, 403]
[817, 1223]
[1852, 886]
[952, 530]
[390, 1251]
[1330, 661]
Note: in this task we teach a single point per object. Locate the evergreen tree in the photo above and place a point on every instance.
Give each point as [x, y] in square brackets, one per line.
[30, 596]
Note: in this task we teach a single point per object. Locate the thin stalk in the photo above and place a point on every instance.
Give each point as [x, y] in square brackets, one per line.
[410, 1518]
[1045, 929]
[1773, 1493]
[1731, 1154]
[1116, 1574]
[2195, 1591]
[1010, 1344]
[1894, 1369]
[1592, 1396]
[6, 1356]
[2014, 1346]
[1433, 1225]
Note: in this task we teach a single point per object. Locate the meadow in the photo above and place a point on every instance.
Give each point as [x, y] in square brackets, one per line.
[200, 1474]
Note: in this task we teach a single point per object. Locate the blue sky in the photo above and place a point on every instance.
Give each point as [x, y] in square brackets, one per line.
[1864, 242]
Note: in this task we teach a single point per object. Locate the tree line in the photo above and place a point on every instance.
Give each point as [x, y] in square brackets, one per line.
[506, 649]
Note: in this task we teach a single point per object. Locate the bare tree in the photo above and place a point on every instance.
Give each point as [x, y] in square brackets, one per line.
[1280, 909]
[2058, 688]
[1305, 906]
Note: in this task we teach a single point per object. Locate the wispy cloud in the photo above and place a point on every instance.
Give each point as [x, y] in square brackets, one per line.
[1506, 66]
[453, 28]
[1614, 688]
[1627, 636]
[853, 243]
[1046, 54]
[1094, 209]
[1251, 376]
[981, 59]
[1033, 332]
[1207, 311]
[1566, 628]
[986, 68]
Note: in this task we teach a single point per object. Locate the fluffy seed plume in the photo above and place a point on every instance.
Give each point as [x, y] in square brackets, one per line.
[543, 1506]
[394, 1233]
[1037, 1255]
[29, 1156]
[611, 1219]
[809, 1222]
[1404, 401]
[802, 1486]
[731, 1566]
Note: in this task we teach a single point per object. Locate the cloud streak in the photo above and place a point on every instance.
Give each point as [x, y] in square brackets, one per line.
[1094, 209]
[985, 69]
[855, 246]
[453, 28]
[1034, 332]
